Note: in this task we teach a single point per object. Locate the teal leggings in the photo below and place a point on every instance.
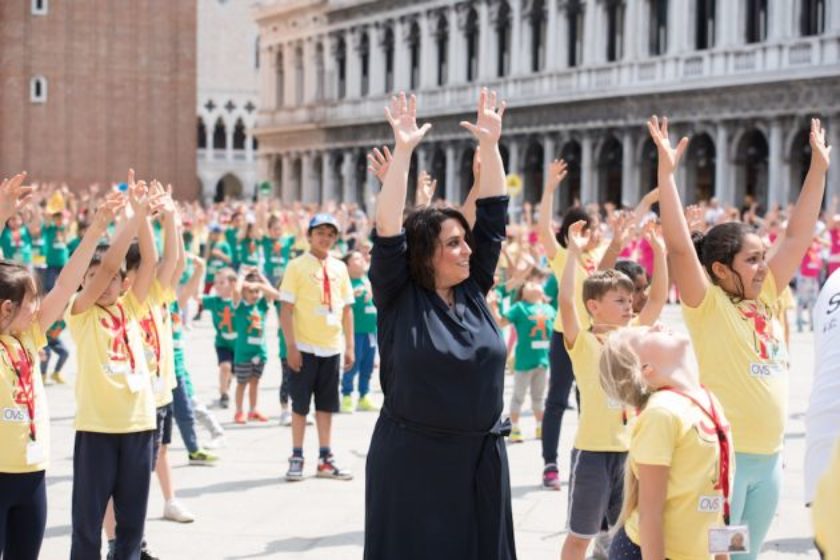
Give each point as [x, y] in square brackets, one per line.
[758, 483]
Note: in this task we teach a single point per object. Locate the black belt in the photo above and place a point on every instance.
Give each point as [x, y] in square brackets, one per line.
[500, 429]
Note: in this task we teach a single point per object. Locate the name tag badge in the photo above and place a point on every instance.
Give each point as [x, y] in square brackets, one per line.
[540, 344]
[277, 260]
[229, 335]
[370, 310]
[332, 320]
[765, 370]
[35, 453]
[734, 539]
[710, 504]
[135, 382]
[15, 415]
[255, 340]
[59, 245]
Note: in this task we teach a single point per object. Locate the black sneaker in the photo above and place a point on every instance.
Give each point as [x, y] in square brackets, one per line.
[224, 401]
[295, 472]
[145, 553]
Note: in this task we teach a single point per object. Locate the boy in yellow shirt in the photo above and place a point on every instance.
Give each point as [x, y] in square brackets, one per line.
[596, 480]
[317, 321]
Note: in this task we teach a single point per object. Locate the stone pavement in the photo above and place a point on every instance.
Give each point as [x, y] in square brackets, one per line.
[244, 508]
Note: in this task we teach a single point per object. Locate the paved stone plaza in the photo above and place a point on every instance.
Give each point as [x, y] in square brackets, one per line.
[245, 509]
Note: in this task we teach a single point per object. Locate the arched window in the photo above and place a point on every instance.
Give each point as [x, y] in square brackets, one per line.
[364, 62]
[812, 17]
[503, 40]
[704, 30]
[538, 23]
[219, 135]
[388, 47]
[319, 72]
[40, 7]
[471, 35]
[38, 89]
[658, 30]
[756, 21]
[615, 30]
[442, 40]
[202, 134]
[574, 14]
[239, 135]
[281, 79]
[299, 76]
[414, 54]
[341, 67]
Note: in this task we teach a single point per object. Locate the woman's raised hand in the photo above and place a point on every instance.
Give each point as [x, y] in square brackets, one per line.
[578, 240]
[557, 171]
[402, 116]
[488, 125]
[669, 156]
[379, 162]
[820, 153]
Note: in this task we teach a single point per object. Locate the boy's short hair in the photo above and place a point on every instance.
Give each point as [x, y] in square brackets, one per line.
[227, 273]
[604, 281]
[132, 257]
[99, 254]
[253, 277]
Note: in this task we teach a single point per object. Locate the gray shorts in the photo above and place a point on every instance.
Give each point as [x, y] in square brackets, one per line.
[596, 490]
[534, 380]
[248, 370]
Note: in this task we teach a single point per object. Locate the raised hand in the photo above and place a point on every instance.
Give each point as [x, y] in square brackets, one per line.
[379, 162]
[696, 219]
[557, 171]
[425, 189]
[651, 198]
[108, 209]
[488, 125]
[654, 237]
[402, 116]
[578, 239]
[13, 195]
[669, 157]
[620, 224]
[820, 153]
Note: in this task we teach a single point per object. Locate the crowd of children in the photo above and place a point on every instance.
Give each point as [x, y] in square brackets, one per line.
[672, 453]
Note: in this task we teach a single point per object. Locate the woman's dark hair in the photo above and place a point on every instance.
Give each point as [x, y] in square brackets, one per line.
[721, 244]
[15, 281]
[422, 228]
[132, 257]
[631, 269]
[571, 216]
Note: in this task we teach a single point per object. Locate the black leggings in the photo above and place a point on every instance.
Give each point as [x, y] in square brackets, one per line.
[622, 548]
[560, 382]
[23, 515]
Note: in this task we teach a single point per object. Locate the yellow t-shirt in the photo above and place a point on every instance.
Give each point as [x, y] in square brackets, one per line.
[743, 360]
[826, 509]
[14, 422]
[587, 264]
[107, 339]
[318, 328]
[672, 431]
[156, 330]
[602, 425]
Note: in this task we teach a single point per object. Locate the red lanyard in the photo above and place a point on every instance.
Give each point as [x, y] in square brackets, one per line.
[326, 296]
[155, 340]
[724, 445]
[123, 331]
[23, 371]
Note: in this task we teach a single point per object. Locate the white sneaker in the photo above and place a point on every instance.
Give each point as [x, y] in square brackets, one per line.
[285, 418]
[174, 511]
[216, 443]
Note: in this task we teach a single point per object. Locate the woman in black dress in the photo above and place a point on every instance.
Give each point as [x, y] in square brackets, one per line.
[437, 484]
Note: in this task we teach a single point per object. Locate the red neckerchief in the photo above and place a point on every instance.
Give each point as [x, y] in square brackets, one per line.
[724, 445]
[23, 370]
[326, 295]
[123, 331]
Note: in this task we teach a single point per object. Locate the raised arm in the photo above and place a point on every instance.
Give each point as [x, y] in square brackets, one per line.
[192, 287]
[13, 196]
[621, 225]
[488, 129]
[803, 218]
[556, 173]
[468, 209]
[658, 296]
[71, 276]
[148, 261]
[402, 116]
[566, 292]
[165, 271]
[425, 190]
[689, 275]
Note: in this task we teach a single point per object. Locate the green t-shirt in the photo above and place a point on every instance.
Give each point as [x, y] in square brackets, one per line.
[550, 288]
[533, 323]
[364, 312]
[55, 241]
[55, 330]
[177, 339]
[157, 234]
[249, 322]
[214, 263]
[221, 311]
[280, 336]
[249, 252]
[276, 254]
[17, 245]
[232, 238]
[72, 245]
[505, 297]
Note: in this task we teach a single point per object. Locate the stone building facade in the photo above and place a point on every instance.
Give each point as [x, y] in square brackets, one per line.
[89, 88]
[228, 66]
[742, 77]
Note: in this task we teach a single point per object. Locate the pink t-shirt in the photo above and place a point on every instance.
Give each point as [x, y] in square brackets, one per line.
[646, 256]
[811, 262]
[834, 250]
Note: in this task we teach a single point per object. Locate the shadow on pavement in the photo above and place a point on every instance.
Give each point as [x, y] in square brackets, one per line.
[229, 486]
[797, 545]
[301, 544]
[58, 531]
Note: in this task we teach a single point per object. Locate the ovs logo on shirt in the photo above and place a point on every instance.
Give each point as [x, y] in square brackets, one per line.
[767, 344]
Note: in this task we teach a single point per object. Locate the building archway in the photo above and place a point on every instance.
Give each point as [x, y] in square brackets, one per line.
[318, 177]
[465, 175]
[278, 176]
[297, 181]
[228, 187]
[361, 180]
[751, 166]
[610, 171]
[438, 171]
[532, 171]
[799, 157]
[648, 166]
[219, 135]
[570, 192]
[700, 161]
[202, 134]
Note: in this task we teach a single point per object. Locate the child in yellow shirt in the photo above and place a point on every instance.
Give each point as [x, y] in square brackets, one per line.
[25, 423]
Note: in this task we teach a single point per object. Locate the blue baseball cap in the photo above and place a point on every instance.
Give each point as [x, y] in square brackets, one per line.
[323, 220]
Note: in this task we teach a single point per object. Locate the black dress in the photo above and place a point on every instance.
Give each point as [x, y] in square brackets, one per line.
[437, 484]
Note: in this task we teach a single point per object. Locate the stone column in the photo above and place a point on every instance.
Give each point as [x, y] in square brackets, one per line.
[832, 187]
[526, 31]
[308, 190]
[779, 21]
[268, 79]
[775, 179]
[422, 159]
[590, 31]
[631, 24]
[588, 188]
[833, 17]
[287, 183]
[327, 179]
[309, 69]
[629, 178]
[551, 34]
[724, 191]
[229, 141]
[516, 65]
[330, 77]
[348, 168]
[376, 60]
[731, 30]
[289, 75]
[451, 173]
[249, 147]
[677, 26]
[485, 35]
[457, 47]
[428, 72]
[402, 64]
[354, 67]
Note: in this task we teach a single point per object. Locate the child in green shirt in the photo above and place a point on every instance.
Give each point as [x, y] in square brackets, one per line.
[364, 333]
[221, 310]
